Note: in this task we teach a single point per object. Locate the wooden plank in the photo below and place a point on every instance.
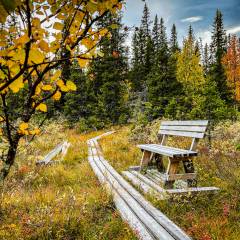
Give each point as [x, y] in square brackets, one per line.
[185, 123]
[167, 151]
[149, 182]
[116, 181]
[125, 211]
[150, 148]
[195, 189]
[201, 129]
[177, 150]
[182, 134]
[165, 225]
[136, 181]
[52, 154]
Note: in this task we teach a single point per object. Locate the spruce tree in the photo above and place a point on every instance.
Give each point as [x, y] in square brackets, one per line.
[173, 40]
[155, 36]
[109, 73]
[161, 81]
[142, 48]
[218, 49]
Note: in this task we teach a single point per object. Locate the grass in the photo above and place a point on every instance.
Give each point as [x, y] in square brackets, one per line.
[63, 201]
[205, 216]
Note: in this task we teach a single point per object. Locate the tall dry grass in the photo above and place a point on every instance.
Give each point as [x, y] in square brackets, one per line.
[61, 201]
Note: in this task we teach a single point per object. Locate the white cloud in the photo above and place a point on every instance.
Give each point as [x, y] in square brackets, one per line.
[205, 36]
[233, 30]
[192, 19]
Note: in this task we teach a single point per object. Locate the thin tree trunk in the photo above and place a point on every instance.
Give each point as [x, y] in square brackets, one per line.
[9, 160]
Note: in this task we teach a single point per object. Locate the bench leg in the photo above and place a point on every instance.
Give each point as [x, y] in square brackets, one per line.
[146, 158]
[189, 168]
[172, 169]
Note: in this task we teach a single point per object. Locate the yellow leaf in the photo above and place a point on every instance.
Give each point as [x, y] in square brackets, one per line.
[44, 46]
[82, 62]
[23, 126]
[46, 87]
[62, 86]
[36, 56]
[57, 96]
[22, 40]
[42, 107]
[71, 86]
[103, 32]
[17, 84]
[2, 75]
[58, 26]
[56, 75]
[60, 83]
[18, 55]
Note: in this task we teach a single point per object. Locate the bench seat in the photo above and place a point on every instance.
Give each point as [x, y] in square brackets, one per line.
[167, 151]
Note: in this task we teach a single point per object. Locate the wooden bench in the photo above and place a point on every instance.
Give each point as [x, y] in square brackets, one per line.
[192, 129]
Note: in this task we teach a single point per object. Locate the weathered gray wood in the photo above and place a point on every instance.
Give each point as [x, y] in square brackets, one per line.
[196, 189]
[139, 183]
[162, 177]
[182, 133]
[167, 151]
[146, 179]
[153, 221]
[60, 148]
[116, 181]
[184, 152]
[185, 123]
[122, 206]
[200, 129]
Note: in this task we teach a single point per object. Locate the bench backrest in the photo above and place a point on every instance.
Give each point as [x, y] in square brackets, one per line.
[193, 129]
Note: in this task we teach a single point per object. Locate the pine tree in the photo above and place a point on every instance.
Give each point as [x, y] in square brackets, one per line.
[218, 49]
[145, 22]
[173, 40]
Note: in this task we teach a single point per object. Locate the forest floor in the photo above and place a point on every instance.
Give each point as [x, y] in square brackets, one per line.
[66, 201]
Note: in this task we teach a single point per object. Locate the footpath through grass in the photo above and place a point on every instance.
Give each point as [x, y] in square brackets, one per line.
[63, 201]
[203, 217]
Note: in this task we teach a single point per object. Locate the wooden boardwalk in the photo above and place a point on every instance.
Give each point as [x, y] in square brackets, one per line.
[147, 221]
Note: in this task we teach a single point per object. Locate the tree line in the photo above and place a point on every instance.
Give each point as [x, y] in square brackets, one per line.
[156, 77]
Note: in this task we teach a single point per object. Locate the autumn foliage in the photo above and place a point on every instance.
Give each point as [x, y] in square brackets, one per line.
[35, 38]
[231, 61]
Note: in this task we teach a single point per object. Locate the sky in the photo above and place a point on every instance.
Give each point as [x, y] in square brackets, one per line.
[199, 13]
